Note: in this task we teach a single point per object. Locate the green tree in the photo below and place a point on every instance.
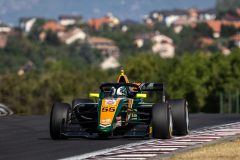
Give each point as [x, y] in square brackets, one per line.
[228, 31]
[36, 29]
[204, 30]
[188, 80]
[52, 38]
[226, 6]
[187, 42]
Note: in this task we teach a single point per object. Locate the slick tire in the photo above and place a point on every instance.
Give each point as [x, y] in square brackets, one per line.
[161, 121]
[180, 117]
[58, 117]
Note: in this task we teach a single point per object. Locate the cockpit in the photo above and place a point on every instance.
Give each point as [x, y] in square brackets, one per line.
[116, 90]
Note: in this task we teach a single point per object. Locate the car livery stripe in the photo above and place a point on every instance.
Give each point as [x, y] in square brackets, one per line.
[108, 109]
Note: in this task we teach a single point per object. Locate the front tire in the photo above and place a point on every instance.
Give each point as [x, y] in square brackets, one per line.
[179, 116]
[161, 121]
[58, 117]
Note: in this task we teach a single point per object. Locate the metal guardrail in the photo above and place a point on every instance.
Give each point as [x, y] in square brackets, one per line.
[5, 111]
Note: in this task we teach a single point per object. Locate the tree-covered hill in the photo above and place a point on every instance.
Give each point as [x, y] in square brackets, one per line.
[197, 77]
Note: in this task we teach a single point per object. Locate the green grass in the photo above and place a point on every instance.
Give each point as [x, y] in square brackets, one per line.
[227, 151]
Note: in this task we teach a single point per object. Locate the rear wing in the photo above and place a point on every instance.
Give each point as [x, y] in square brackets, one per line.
[153, 87]
[148, 87]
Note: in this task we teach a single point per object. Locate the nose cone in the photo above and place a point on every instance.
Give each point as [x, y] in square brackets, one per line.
[108, 111]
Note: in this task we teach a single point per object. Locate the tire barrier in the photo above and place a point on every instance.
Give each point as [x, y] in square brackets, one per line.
[5, 111]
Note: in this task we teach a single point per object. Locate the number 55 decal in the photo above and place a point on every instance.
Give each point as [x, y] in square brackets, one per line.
[108, 109]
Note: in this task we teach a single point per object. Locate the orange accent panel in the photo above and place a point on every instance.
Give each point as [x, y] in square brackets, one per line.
[130, 104]
[137, 83]
[125, 78]
[108, 109]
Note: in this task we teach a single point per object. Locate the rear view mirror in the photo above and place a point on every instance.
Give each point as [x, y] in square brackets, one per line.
[94, 95]
[141, 95]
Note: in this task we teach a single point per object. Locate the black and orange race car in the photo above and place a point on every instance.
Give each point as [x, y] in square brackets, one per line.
[121, 110]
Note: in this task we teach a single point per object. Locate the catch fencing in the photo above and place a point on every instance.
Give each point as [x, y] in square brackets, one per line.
[229, 102]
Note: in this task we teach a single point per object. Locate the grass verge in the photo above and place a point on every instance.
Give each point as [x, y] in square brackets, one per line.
[226, 150]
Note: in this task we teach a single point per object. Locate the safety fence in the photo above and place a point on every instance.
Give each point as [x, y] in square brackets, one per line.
[229, 102]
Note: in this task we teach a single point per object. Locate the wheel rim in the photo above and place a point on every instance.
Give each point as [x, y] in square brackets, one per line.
[170, 124]
[187, 117]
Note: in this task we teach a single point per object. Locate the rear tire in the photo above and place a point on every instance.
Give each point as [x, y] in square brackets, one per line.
[161, 121]
[59, 116]
[179, 116]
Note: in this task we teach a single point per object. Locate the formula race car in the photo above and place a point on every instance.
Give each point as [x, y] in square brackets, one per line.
[120, 110]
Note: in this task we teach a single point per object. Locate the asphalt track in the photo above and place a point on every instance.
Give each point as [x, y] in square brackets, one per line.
[27, 137]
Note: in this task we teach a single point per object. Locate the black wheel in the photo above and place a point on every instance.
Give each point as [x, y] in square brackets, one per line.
[58, 117]
[179, 116]
[161, 121]
[77, 101]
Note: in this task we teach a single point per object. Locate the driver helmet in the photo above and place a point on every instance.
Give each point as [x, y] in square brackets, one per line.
[122, 91]
[112, 91]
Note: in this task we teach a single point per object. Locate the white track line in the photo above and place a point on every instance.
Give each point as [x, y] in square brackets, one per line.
[151, 148]
[119, 158]
[87, 155]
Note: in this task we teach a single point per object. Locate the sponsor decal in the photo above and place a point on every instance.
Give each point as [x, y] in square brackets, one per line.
[119, 121]
[110, 102]
[108, 109]
[105, 121]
